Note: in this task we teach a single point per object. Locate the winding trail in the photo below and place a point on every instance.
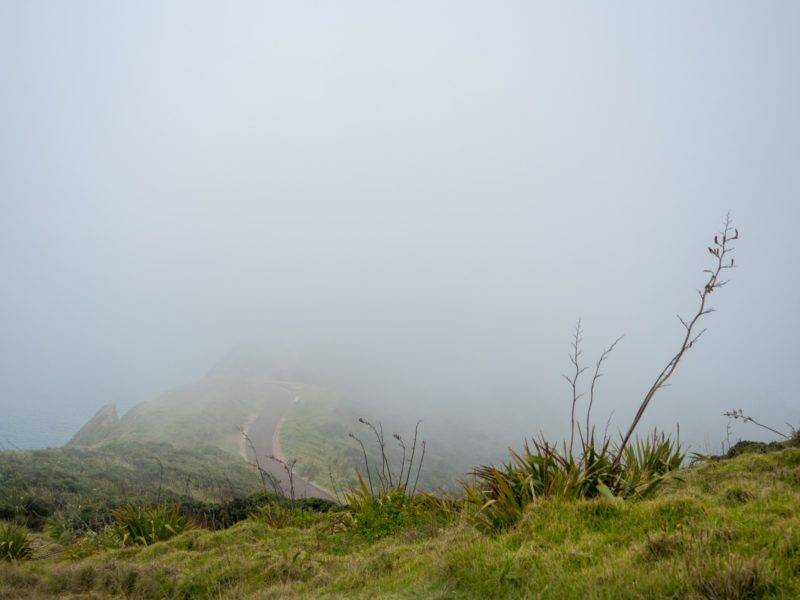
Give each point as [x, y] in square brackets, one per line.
[264, 429]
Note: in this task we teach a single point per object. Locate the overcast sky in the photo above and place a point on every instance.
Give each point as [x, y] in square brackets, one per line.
[432, 192]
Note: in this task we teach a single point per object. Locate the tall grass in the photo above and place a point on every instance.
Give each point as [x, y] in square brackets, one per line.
[144, 525]
[14, 543]
[377, 515]
[386, 501]
[496, 497]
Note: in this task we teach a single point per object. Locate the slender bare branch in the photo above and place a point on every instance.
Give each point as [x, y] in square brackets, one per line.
[288, 466]
[413, 451]
[739, 414]
[597, 375]
[419, 468]
[385, 474]
[366, 461]
[403, 458]
[574, 358]
[261, 472]
[720, 250]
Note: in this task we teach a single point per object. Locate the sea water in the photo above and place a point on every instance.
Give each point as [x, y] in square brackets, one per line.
[26, 425]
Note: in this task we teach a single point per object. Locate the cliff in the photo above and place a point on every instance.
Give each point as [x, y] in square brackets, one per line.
[99, 427]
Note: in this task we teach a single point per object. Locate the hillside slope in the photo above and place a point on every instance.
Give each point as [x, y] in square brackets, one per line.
[210, 412]
[727, 529]
[99, 428]
[316, 431]
[305, 423]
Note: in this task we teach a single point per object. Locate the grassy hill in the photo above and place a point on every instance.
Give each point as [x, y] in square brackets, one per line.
[212, 412]
[316, 431]
[725, 529]
[209, 413]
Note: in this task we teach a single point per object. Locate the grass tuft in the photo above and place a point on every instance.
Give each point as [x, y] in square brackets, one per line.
[662, 544]
[735, 579]
[737, 495]
[147, 525]
[14, 543]
[498, 495]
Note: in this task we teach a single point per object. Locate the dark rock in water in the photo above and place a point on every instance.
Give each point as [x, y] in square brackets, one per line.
[99, 427]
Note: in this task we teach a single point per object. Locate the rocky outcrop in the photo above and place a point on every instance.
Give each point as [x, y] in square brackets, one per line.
[99, 427]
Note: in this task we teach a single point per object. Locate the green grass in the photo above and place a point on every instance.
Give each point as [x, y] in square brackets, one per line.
[725, 529]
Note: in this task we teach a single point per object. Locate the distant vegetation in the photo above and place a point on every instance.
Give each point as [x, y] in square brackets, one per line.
[209, 413]
[317, 433]
[79, 487]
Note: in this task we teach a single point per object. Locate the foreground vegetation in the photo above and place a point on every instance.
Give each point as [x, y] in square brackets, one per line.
[725, 529]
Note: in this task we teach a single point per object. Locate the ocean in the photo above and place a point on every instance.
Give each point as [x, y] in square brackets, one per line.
[28, 426]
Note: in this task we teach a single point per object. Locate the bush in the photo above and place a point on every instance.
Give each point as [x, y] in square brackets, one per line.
[497, 496]
[381, 514]
[32, 511]
[750, 447]
[280, 515]
[148, 525]
[92, 542]
[66, 525]
[14, 543]
[221, 516]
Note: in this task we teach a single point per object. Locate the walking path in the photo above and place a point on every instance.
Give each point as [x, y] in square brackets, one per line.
[264, 431]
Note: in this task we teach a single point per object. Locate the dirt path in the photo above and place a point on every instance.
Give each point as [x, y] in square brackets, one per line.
[264, 431]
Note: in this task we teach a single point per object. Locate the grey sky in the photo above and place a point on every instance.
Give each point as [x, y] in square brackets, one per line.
[430, 192]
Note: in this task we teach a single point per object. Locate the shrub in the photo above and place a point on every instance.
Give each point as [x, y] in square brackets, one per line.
[497, 496]
[14, 543]
[67, 525]
[381, 514]
[377, 515]
[279, 515]
[148, 525]
[92, 542]
[221, 516]
[750, 447]
[317, 504]
[29, 510]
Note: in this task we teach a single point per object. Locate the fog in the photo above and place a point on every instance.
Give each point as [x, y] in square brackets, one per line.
[419, 200]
